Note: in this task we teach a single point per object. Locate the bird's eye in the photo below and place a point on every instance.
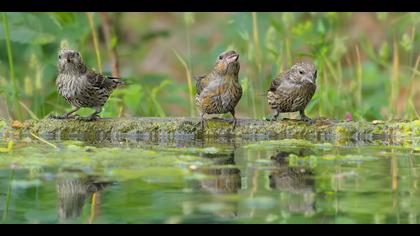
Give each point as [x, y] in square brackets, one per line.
[59, 56]
[77, 54]
[301, 72]
[220, 57]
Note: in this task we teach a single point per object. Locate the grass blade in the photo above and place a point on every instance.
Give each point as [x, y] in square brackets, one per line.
[189, 79]
[95, 40]
[11, 64]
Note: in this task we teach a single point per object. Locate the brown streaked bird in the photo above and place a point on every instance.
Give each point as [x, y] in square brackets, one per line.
[297, 182]
[72, 194]
[219, 92]
[81, 86]
[292, 90]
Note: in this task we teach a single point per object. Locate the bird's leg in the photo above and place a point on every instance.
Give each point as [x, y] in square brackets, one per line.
[234, 119]
[202, 121]
[215, 118]
[67, 115]
[305, 118]
[93, 117]
[275, 116]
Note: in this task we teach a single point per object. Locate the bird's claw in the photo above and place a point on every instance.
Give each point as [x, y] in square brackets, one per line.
[89, 118]
[60, 117]
[201, 124]
[271, 119]
[308, 120]
[234, 122]
[56, 117]
[217, 119]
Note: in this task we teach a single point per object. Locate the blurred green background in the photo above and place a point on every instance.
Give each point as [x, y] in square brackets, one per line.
[368, 63]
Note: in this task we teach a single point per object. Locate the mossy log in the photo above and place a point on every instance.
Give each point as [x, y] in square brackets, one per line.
[166, 129]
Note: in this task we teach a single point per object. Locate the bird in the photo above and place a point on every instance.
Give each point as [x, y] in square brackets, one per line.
[292, 90]
[82, 87]
[73, 192]
[220, 91]
[297, 182]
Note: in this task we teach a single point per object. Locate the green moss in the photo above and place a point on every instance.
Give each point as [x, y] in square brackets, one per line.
[3, 125]
[378, 130]
[341, 131]
[172, 128]
[416, 128]
[154, 166]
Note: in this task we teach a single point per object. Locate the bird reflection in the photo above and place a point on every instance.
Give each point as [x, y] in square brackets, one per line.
[297, 182]
[73, 192]
[222, 178]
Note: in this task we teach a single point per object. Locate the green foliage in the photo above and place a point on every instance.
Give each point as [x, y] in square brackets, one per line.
[268, 43]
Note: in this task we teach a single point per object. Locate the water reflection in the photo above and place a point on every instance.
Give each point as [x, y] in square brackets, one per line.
[297, 182]
[251, 184]
[73, 193]
[224, 177]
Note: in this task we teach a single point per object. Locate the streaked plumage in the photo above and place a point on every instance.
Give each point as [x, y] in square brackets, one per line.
[297, 182]
[291, 91]
[73, 192]
[219, 92]
[80, 86]
[289, 178]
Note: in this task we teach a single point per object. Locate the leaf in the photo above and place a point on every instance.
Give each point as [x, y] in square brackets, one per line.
[9, 147]
[270, 42]
[382, 16]
[188, 18]
[339, 48]
[43, 38]
[114, 42]
[384, 51]
[28, 36]
[278, 26]
[406, 42]
[244, 35]
[2, 123]
[244, 84]
[62, 18]
[154, 95]
[132, 97]
[321, 27]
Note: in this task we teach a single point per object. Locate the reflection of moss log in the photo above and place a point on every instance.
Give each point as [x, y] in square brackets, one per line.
[4, 127]
[2, 124]
[188, 128]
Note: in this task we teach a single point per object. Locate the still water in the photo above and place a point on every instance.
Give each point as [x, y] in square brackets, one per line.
[284, 181]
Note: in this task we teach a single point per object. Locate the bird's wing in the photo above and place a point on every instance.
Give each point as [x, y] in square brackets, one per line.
[283, 86]
[101, 81]
[201, 83]
[210, 96]
[277, 82]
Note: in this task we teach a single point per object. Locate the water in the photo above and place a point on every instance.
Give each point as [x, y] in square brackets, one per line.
[286, 181]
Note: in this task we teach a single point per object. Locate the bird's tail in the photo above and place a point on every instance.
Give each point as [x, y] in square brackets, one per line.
[118, 81]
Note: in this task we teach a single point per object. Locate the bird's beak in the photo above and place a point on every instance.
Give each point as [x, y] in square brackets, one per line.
[233, 58]
[309, 80]
[68, 60]
[315, 74]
